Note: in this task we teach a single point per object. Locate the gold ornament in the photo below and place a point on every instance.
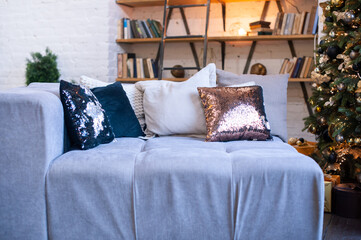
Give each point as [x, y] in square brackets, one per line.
[292, 141]
[331, 149]
[357, 141]
[328, 8]
[312, 129]
[337, 3]
[318, 109]
[299, 143]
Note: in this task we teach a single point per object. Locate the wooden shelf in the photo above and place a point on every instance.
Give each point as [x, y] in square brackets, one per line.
[222, 39]
[148, 79]
[183, 79]
[149, 3]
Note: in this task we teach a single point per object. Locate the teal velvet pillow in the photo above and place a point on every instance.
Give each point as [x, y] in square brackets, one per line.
[121, 115]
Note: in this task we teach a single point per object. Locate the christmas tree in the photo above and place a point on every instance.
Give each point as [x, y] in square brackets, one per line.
[336, 95]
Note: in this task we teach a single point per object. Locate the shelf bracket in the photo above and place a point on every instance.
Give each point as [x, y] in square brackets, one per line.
[265, 10]
[191, 44]
[249, 58]
[223, 53]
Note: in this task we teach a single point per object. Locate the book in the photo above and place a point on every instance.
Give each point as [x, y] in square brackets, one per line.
[311, 68]
[315, 25]
[276, 23]
[137, 60]
[262, 23]
[296, 68]
[289, 24]
[312, 20]
[262, 30]
[138, 29]
[130, 33]
[120, 65]
[308, 65]
[141, 28]
[283, 66]
[305, 25]
[134, 30]
[159, 28]
[291, 65]
[120, 32]
[146, 69]
[297, 75]
[125, 27]
[285, 17]
[303, 69]
[151, 24]
[296, 24]
[130, 65]
[147, 30]
[150, 68]
[279, 27]
[155, 68]
[302, 22]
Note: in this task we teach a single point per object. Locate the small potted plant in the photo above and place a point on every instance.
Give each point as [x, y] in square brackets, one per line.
[42, 68]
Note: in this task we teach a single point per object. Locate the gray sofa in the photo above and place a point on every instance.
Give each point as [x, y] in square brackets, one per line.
[169, 187]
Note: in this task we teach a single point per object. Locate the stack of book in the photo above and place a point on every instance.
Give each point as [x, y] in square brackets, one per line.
[260, 28]
[298, 67]
[139, 29]
[129, 66]
[296, 23]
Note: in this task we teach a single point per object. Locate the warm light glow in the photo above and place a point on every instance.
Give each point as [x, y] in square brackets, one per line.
[242, 32]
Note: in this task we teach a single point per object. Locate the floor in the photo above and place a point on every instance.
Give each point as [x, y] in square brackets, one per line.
[339, 228]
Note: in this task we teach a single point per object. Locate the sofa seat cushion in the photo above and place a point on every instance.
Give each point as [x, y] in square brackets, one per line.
[184, 188]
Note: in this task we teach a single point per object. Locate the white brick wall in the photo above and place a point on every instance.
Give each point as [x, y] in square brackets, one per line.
[82, 33]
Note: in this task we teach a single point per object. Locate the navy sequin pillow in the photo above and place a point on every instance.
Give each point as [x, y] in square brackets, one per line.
[87, 124]
[118, 109]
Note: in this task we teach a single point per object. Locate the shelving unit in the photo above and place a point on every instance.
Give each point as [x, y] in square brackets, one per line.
[220, 39]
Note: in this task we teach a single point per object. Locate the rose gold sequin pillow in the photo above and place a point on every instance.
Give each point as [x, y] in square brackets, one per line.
[234, 113]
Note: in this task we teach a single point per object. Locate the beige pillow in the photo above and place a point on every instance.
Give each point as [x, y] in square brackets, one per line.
[174, 107]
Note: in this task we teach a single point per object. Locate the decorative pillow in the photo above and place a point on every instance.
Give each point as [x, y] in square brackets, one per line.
[174, 107]
[118, 109]
[87, 124]
[234, 113]
[134, 95]
[274, 94]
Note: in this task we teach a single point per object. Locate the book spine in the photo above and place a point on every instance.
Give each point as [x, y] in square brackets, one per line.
[147, 30]
[300, 68]
[153, 28]
[145, 67]
[120, 65]
[134, 30]
[290, 24]
[276, 24]
[150, 68]
[141, 28]
[312, 20]
[315, 25]
[155, 68]
[297, 66]
[124, 65]
[150, 29]
[125, 28]
[285, 19]
[130, 32]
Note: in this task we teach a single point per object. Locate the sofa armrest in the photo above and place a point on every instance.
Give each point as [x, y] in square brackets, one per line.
[31, 136]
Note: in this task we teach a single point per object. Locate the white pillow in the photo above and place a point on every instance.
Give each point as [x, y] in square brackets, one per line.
[134, 95]
[274, 95]
[175, 107]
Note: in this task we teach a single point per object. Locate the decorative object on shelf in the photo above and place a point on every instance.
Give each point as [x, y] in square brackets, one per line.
[178, 73]
[336, 96]
[42, 68]
[258, 69]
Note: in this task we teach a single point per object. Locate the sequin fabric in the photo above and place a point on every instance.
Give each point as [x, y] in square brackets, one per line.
[86, 121]
[234, 113]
